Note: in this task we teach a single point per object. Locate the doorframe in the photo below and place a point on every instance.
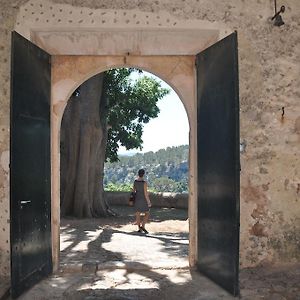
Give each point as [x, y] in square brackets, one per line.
[173, 38]
[69, 72]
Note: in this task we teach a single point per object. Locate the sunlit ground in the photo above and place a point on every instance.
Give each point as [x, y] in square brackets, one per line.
[103, 241]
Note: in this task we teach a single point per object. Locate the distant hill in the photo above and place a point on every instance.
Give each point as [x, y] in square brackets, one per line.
[166, 169]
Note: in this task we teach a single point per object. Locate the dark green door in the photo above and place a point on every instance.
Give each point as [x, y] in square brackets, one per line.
[218, 163]
[30, 186]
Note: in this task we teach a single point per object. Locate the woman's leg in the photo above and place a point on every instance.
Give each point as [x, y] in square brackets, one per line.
[145, 219]
[138, 219]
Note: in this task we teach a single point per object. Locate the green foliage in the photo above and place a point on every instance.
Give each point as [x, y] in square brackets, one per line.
[164, 184]
[130, 105]
[114, 187]
[166, 169]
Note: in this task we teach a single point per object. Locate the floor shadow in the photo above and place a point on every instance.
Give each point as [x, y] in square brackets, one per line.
[146, 266]
[136, 277]
[82, 239]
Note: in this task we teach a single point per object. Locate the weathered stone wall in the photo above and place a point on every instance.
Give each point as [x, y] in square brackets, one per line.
[269, 80]
[168, 200]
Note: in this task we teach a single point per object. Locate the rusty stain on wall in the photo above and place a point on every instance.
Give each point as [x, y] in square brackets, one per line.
[258, 229]
[252, 193]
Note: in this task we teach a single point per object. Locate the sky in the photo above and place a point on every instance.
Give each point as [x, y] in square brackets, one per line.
[170, 128]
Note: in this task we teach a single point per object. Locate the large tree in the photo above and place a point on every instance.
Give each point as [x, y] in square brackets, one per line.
[108, 110]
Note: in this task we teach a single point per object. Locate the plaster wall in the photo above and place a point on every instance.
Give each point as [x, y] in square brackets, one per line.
[269, 80]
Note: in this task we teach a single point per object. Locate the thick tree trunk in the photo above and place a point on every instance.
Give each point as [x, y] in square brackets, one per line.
[83, 144]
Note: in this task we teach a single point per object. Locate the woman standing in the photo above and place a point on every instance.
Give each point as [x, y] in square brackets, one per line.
[142, 201]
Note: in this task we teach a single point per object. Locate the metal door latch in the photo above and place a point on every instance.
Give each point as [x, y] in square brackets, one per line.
[25, 201]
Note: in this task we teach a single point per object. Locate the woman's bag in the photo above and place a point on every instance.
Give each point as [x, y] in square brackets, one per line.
[131, 199]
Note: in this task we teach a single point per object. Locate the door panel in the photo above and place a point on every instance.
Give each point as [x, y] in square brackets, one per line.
[218, 163]
[30, 200]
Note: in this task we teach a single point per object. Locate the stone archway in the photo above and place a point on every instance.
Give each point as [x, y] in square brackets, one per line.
[98, 39]
[69, 72]
[215, 79]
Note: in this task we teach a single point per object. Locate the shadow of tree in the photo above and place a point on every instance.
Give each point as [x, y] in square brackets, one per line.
[82, 240]
[135, 279]
[132, 265]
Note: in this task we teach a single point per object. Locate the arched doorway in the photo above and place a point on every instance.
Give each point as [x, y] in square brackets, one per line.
[69, 72]
[81, 240]
[208, 86]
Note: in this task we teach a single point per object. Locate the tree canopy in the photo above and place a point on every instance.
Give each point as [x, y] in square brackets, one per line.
[130, 105]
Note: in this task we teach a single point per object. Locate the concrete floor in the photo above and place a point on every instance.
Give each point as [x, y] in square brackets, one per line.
[107, 259]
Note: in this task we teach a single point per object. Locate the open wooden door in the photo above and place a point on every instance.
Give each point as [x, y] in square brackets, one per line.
[30, 193]
[218, 163]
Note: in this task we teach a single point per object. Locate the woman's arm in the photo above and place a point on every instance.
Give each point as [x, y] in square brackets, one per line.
[147, 194]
